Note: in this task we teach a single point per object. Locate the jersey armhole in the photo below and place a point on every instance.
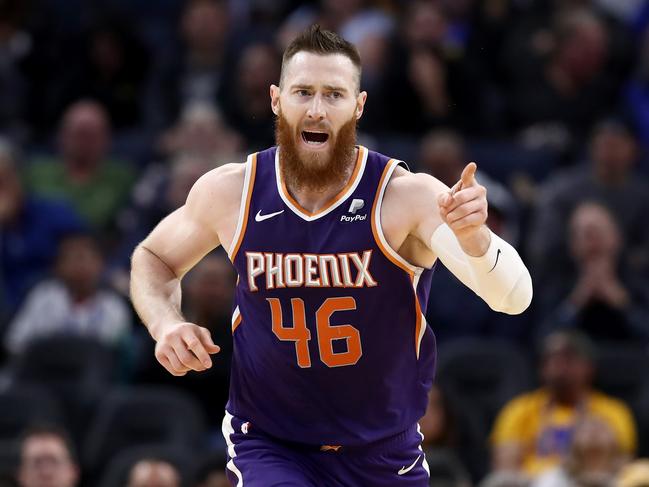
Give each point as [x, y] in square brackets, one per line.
[377, 229]
[246, 196]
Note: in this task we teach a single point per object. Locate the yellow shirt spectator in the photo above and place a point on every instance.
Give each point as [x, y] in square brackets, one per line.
[543, 430]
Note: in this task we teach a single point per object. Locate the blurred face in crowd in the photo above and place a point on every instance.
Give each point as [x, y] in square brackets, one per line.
[85, 134]
[614, 152]
[210, 287]
[151, 473]
[442, 156]
[317, 108]
[201, 131]
[593, 233]
[45, 462]
[204, 24]
[258, 69]
[10, 190]
[583, 49]
[79, 265]
[425, 25]
[595, 452]
[566, 372]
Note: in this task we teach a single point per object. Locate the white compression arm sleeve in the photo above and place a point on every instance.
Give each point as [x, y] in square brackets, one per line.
[499, 277]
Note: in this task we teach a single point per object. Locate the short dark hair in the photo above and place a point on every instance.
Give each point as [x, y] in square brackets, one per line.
[316, 40]
[49, 429]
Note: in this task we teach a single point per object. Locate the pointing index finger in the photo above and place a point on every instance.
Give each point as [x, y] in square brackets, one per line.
[468, 174]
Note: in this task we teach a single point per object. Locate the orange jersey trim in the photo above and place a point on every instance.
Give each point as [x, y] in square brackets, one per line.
[375, 231]
[236, 323]
[244, 223]
[332, 201]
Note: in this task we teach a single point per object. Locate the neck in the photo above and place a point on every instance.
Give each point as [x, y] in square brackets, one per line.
[314, 199]
[80, 169]
[608, 177]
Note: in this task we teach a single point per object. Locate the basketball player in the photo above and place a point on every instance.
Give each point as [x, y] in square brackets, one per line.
[334, 246]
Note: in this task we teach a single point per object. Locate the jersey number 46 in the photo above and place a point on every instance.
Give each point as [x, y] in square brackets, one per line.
[327, 333]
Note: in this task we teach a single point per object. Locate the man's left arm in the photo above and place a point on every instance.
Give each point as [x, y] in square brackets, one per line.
[479, 258]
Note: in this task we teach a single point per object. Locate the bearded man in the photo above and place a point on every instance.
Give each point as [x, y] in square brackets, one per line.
[334, 246]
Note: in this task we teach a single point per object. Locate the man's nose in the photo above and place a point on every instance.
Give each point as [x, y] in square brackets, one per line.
[316, 109]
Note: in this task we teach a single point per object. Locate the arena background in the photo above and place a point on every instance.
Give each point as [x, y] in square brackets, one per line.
[111, 109]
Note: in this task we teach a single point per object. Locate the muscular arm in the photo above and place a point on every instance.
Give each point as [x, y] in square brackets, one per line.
[178, 243]
[454, 231]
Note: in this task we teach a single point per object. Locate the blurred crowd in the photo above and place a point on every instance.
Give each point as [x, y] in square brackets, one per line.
[111, 109]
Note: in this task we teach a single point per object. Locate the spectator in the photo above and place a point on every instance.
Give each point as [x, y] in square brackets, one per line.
[30, 230]
[602, 298]
[564, 95]
[112, 69]
[608, 179]
[246, 102]
[635, 474]
[594, 458]
[152, 472]
[196, 73]
[95, 185]
[201, 131]
[47, 459]
[72, 302]
[534, 431]
[428, 85]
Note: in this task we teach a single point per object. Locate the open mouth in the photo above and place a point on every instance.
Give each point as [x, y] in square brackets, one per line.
[314, 138]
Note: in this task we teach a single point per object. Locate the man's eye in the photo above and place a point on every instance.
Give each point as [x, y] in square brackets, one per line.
[335, 94]
[302, 92]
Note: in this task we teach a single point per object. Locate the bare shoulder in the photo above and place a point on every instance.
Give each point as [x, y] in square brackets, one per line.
[415, 191]
[222, 183]
[409, 185]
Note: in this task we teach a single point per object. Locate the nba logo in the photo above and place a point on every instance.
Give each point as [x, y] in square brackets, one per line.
[356, 205]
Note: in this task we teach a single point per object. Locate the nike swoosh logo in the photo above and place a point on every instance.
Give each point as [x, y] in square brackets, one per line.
[405, 470]
[495, 263]
[260, 218]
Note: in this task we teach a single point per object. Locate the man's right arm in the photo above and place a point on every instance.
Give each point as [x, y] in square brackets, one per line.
[178, 243]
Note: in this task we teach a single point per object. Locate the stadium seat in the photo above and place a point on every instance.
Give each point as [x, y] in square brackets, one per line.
[75, 370]
[22, 406]
[64, 361]
[483, 374]
[138, 416]
[622, 370]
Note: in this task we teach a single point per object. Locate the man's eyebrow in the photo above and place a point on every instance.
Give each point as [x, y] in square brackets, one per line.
[335, 88]
[326, 87]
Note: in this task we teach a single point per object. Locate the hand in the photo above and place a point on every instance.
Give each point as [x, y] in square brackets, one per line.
[184, 347]
[464, 210]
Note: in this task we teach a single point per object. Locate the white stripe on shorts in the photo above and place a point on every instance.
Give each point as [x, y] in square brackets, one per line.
[228, 429]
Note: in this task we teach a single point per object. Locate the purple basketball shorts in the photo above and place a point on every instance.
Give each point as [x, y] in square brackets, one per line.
[257, 460]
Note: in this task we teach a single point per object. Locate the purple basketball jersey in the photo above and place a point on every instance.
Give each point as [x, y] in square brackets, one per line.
[330, 341]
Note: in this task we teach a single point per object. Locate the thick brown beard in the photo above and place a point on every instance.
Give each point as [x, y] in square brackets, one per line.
[320, 171]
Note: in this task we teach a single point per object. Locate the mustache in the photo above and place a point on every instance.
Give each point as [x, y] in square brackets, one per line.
[316, 127]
